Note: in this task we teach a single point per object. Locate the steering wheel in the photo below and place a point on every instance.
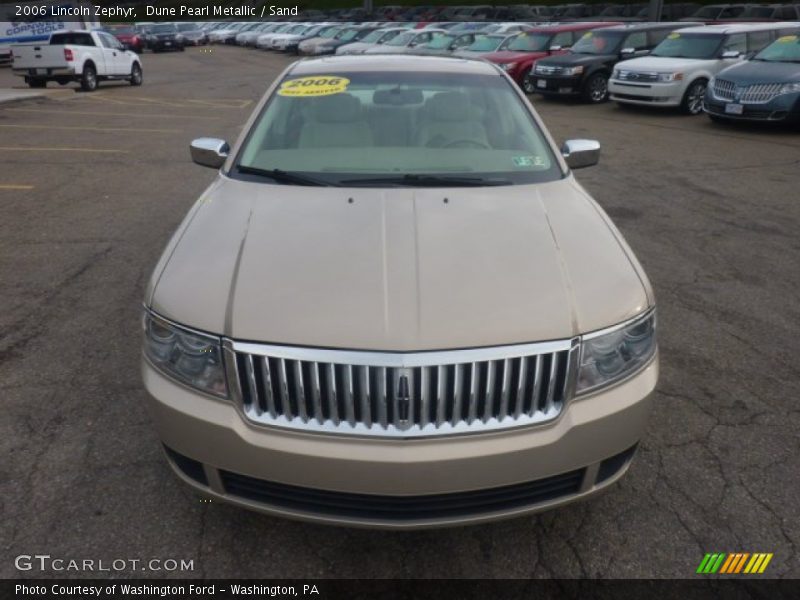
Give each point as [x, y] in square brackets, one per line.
[466, 142]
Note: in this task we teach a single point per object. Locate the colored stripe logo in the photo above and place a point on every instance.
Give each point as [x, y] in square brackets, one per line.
[734, 563]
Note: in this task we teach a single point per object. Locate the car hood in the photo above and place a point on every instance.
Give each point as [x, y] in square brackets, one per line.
[506, 56]
[397, 268]
[661, 63]
[759, 71]
[574, 60]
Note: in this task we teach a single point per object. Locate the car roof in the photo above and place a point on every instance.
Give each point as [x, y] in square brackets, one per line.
[390, 62]
[728, 28]
[578, 26]
[645, 26]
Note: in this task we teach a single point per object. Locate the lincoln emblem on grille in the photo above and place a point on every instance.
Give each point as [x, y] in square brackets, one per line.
[403, 395]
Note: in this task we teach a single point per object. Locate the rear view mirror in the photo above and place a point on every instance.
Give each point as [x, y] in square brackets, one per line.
[397, 97]
[581, 153]
[731, 54]
[209, 152]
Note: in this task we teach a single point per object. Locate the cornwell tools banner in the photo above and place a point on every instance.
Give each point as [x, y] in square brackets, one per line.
[736, 563]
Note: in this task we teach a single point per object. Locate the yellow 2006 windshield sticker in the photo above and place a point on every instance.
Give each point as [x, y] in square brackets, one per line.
[314, 85]
[673, 36]
[788, 39]
[587, 35]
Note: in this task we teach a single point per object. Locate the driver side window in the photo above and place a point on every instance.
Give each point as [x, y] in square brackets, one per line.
[563, 39]
[736, 42]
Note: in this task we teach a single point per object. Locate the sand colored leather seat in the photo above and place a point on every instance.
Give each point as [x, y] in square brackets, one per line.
[450, 117]
[335, 121]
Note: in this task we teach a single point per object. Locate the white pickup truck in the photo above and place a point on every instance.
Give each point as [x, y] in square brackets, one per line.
[84, 56]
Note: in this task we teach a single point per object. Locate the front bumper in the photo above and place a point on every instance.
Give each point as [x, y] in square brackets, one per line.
[785, 107]
[550, 85]
[338, 479]
[647, 94]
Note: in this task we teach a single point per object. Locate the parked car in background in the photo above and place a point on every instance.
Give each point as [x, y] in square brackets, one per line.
[264, 36]
[764, 88]
[408, 193]
[227, 32]
[446, 43]
[585, 71]
[164, 36]
[715, 12]
[250, 37]
[128, 36]
[517, 55]
[374, 39]
[292, 45]
[406, 42]
[484, 44]
[669, 11]
[192, 34]
[87, 57]
[678, 70]
[291, 32]
[769, 12]
[348, 35]
[284, 42]
[307, 47]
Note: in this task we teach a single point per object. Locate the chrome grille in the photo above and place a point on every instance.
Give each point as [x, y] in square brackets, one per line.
[760, 93]
[548, 70]
[724, 90]
[407, 395]
[637, 76]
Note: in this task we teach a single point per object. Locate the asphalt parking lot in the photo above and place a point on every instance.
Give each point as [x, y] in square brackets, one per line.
[91, 188]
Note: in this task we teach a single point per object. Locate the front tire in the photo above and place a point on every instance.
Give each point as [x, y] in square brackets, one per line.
[692, 103]
[89, 79]
[528, 84]
[596, 89]
[136, 74]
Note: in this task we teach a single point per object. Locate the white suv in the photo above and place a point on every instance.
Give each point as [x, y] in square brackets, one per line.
[677, 72]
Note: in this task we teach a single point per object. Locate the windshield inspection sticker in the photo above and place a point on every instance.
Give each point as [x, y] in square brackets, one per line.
[527, 161]
[788, 39]
[673, 36]
[314, 85]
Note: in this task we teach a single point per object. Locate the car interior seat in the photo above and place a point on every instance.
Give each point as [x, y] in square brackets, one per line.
[449, 118]
[335, 121]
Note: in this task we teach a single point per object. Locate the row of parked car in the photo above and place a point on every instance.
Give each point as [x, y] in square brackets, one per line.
[598, 11]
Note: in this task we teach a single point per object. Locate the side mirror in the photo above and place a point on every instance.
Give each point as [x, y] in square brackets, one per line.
[627, 52]
[555, 48]
[731, 54]
[581, 153]
[209, 152]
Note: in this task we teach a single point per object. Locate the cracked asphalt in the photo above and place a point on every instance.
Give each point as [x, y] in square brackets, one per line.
[91, 187]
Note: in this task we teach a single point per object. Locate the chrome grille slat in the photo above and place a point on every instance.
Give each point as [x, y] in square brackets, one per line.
[441, 392]
[724, 89]
[266, 377]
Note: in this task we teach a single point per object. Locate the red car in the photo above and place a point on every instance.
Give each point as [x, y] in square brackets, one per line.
[128, 37]
[517, 55]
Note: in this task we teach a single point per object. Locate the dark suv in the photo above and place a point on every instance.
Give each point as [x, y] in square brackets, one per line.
[585, 70]
[164, 36]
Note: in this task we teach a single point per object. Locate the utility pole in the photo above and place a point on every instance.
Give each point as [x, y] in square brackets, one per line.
[654, 12]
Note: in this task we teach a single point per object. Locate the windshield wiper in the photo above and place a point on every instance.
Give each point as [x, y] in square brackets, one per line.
[284, 176]
[428, 181]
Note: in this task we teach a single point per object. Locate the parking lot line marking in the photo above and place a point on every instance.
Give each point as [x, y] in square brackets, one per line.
[14, 186]
[59, 149]
[183, 103]
[110, 114]
[68, 127]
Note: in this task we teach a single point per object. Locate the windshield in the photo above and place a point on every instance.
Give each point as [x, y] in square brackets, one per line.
[485, 43]
[696, 45]
[187, 27]
[122, 30]
[528, 42]
[440, 41]
[373, 37]
[330, 32]
[347, 34]
[164, 28]
[708, 12]
[390, 125]
[600, 42]
[784, 49]
[402, 39]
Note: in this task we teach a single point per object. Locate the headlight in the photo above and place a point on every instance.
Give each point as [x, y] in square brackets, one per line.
[607, 357]
[667, 77]
[192, 358]
[573, 70]
[791, 88]
[615, 74]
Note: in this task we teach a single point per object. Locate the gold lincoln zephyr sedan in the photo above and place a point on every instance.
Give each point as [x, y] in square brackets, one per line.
[396, 307]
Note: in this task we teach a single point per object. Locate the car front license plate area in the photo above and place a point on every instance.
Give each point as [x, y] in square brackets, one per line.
[734, 109]
[541, 83]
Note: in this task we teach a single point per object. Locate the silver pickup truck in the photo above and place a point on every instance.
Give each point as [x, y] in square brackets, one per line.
[84, 56]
